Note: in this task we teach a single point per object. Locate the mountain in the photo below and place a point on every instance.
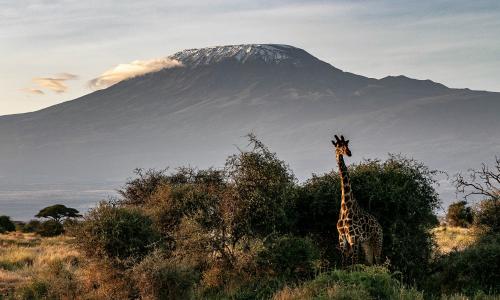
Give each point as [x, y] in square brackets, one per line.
[196, 113]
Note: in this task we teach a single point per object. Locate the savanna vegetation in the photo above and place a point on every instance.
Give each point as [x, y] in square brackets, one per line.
[251, 231]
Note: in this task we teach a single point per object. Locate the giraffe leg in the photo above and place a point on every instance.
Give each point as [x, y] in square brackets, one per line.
[377, 248]
[345, 249]
[368, 251]
[355, 253]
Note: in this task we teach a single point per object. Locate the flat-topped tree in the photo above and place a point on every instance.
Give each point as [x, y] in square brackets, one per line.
[58, 212]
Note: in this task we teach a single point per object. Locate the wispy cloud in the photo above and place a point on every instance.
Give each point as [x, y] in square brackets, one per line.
[130, 70]
[33, 91]
[57, 83]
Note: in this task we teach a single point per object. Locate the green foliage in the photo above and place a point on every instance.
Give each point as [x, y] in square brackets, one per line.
[31, 226]
[263, 188]
[157, 277]
[139, 189]
[470, 270]
[50, 228]
[317, 209]
[487, 215]
[459, 214]
[289, 257]
[365, 283]
[6, 224]
[58, 212]
[116, 232]
[398, 192]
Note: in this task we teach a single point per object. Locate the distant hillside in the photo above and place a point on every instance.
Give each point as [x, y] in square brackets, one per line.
[294, 102]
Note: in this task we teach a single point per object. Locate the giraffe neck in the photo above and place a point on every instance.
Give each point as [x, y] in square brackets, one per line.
[349, 206]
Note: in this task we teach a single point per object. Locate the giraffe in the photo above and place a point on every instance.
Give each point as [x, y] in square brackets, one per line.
[355, 226]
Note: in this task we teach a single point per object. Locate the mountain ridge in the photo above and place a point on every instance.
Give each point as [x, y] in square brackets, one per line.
[194, 116]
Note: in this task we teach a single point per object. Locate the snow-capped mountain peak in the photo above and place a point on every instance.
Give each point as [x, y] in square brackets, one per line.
[266, 53]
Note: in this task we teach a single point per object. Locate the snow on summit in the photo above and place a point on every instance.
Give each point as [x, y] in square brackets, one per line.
[268, 53]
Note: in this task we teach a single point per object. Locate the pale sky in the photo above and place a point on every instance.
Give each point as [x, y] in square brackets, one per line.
[51, 49]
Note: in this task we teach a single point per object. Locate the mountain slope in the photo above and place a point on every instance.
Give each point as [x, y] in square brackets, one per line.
[196, 113]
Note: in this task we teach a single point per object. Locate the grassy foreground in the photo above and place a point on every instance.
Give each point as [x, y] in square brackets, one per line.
[25, 257]
[51, 268]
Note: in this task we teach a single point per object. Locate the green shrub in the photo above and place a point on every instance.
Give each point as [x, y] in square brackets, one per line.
[31, 226]
[459, 214]
[470, 270]
[289, 257]
[365, 283]
[157, 277]
[487, 214]
[50, 228]
[6, 224]
[263, 188]
[116, 233]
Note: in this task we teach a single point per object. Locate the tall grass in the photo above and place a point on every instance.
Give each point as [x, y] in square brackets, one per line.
[449, 238]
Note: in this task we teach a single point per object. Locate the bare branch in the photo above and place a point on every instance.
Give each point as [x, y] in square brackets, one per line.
[482, 182]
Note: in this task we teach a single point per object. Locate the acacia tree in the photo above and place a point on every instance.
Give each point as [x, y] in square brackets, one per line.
[58, 212]
[484, 183]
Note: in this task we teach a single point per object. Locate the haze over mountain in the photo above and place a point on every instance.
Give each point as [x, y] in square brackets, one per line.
[195, 114]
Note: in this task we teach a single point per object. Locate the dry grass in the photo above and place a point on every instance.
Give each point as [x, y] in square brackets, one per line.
[29, 264]
[23, 256]
[451, 238]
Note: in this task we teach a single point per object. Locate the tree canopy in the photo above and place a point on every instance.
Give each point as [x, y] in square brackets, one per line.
[58, 212]
[6, 224]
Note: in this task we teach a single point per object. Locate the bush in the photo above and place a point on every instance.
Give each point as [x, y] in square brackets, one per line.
[487, 214]
[459, 214]
[157, 277]
[116, 232]
[367, 283]
[470, 270]
[6, 224]
[398, 192]
[289, 257]
[138, 190]
[50, 228]
[263, 188]
[31, 226]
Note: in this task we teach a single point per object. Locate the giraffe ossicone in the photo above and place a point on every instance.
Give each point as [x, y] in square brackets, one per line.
[357, 228]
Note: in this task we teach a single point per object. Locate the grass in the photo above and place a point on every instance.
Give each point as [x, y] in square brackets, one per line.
[52, 268]
[450, 238]
[23, 256]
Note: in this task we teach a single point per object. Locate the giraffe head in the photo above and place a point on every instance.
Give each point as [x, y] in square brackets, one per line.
[341, 146]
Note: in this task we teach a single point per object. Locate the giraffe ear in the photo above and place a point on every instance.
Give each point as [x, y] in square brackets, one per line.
[334, 144]
[347, 142]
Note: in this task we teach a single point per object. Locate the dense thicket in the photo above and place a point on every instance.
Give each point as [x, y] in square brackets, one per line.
[249, 228]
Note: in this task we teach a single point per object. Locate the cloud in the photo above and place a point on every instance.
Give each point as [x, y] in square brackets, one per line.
[56, 83]
[130, 70]
[33, 91]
